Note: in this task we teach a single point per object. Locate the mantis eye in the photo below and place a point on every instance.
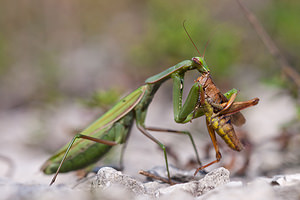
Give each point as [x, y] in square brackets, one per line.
[197, 60]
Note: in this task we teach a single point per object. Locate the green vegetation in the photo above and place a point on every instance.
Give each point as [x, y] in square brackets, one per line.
[144, 37]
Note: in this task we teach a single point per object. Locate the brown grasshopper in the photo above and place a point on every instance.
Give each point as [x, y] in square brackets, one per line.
[221, 112]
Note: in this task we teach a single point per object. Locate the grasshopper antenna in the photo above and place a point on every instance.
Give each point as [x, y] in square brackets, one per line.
[191, 38]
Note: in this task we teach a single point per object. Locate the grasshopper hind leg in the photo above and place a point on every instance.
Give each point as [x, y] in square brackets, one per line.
[212, 135]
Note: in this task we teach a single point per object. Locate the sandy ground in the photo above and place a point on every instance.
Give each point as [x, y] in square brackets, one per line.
[30, 135]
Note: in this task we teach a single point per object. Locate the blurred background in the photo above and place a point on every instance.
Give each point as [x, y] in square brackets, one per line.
[64, 63]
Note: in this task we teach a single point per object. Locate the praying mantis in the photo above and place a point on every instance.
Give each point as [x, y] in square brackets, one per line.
[114, 126]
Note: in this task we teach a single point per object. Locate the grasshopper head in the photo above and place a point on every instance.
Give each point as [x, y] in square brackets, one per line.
[201, 64]
[204, 80]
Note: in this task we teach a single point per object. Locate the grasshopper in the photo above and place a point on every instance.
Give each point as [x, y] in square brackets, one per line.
[114, 126]
[221, 112]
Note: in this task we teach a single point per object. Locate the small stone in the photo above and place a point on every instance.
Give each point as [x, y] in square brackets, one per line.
[258, 190]
[108, 176]
[179, 175]
[286, 180]
[212, 180]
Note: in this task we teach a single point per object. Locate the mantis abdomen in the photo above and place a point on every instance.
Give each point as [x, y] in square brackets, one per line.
[86, 153]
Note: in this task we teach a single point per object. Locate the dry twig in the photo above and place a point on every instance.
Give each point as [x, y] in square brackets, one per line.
[271, 46]
[153, 176]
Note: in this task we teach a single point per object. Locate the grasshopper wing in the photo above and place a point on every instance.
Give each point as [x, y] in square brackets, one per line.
[238, 119]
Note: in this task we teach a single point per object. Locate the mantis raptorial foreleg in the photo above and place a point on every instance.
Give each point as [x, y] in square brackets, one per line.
[184, 113]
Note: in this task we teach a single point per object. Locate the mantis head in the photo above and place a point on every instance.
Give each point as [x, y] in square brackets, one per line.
[201, 65]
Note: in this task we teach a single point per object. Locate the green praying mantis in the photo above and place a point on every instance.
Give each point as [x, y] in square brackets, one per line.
[113, 127]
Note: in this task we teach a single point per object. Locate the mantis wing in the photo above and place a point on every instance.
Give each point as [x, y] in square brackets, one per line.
[101, 126]
[124, 106]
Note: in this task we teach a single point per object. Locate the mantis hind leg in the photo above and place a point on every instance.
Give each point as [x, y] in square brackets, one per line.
[110, 143]
[121, 164]
[143, 129]
[179, 132]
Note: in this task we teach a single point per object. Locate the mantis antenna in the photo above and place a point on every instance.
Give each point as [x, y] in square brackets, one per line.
[193, 41]
[191, 38]
[205, 47]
